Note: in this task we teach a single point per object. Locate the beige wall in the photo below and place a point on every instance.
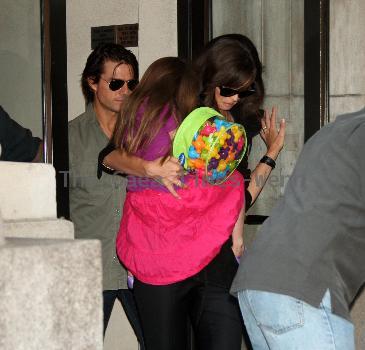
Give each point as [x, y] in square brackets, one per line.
[81, 15]
[347, 56]
[157, 35]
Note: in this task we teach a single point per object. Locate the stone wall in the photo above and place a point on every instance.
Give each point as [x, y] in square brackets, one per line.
[50, 284]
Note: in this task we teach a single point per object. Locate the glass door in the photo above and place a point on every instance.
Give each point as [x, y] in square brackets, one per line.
[21, 63]
[33, 68]
[277, 30]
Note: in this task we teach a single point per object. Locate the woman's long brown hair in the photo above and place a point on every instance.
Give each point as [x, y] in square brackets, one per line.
[167, 83]
[230, 60]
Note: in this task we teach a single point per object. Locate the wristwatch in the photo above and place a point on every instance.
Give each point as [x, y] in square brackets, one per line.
[269, 161]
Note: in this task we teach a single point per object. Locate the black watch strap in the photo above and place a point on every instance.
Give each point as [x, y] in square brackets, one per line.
[269, 161]
[103, 153]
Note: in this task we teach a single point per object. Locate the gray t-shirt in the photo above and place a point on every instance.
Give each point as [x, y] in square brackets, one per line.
[314, 239]
[96, 205]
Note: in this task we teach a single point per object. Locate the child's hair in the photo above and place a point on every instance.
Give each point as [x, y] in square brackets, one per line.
[168, 85]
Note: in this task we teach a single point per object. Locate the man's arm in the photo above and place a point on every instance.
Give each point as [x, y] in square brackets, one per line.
[39, 155]
[166, 171]
[121, 161]
[17, 143]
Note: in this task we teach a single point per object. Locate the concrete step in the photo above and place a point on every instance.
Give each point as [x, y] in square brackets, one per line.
[50, 294]
[53, 228]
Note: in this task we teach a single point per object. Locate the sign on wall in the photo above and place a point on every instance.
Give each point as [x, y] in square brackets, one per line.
[124, 34]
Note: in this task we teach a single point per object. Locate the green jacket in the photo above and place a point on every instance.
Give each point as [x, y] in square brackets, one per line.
[96, 205]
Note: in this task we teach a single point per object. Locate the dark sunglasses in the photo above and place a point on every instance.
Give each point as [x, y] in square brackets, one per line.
[228, 92]
[116, 84]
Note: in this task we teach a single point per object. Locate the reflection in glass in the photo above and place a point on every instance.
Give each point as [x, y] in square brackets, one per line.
[20, 62]
[277, 30]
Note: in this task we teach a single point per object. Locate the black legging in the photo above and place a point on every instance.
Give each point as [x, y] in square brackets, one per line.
[165, 311]
[126, 298]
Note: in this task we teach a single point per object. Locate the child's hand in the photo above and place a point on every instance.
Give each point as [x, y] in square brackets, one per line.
[238, 249]
[130, 280]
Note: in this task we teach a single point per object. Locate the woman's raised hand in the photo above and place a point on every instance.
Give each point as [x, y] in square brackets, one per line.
[271, 135]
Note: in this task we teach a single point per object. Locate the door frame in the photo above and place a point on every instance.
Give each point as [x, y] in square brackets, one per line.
[55, 102]
[195, 30]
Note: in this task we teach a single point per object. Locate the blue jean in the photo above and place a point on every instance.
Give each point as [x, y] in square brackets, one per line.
[280, 322]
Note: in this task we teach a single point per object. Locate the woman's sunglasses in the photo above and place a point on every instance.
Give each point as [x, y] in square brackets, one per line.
[116, 84]
[228, 92]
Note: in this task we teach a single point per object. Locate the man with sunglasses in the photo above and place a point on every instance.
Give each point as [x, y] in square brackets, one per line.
[109, 76]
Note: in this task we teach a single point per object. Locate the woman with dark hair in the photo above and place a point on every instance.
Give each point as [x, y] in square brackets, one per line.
[230, 75]
[222, 66]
